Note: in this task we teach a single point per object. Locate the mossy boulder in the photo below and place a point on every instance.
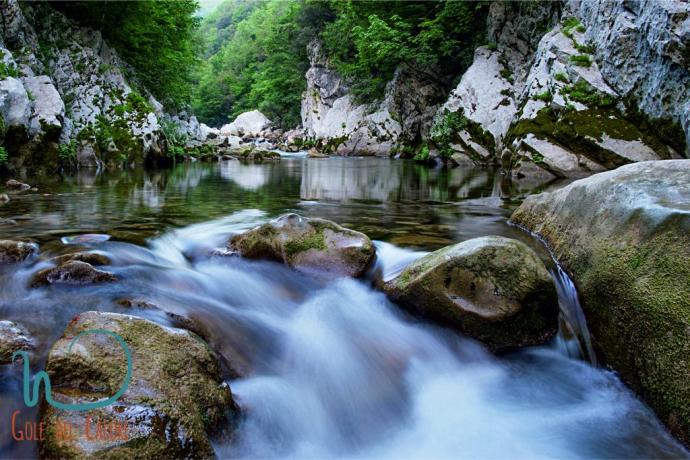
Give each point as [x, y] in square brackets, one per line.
[624, 236]
[308, 245]
[72, 272]
[174, 401]
[493, 289]
[13, 337]
[16, 251]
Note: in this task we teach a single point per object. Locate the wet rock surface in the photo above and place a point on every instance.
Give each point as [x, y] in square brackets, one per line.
[309, 245]
[175, 397]
[624, 236]
[16, 251]
[72, 272]
[494, 289]
[13, 337]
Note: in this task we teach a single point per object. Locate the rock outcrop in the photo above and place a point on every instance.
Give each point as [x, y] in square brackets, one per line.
[643, 52]
[493, 289]
[64, 97]
[332, 116]
[546, 102]
[571, 122]
[13, 337]
[309, 245]
[252, 123]
[561, 89]
[624, 236]
[173, 401]
[16, 251]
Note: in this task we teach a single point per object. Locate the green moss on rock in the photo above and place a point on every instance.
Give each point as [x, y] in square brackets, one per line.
[493, 289]
[175, 399]
[309, 245]
[624, 236]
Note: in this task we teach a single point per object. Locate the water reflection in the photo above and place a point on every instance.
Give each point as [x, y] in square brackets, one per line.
[395, 201]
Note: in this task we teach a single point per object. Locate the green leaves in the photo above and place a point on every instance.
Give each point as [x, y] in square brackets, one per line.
[154, 37]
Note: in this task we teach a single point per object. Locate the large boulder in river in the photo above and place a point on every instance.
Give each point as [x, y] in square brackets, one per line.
[16, 251]
[493, 289]
[624, 236]
[308, 245]
[175, 398]
[247, 123]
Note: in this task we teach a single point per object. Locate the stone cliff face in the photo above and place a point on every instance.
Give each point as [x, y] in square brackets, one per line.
[65, 97]
[331, 115]
[643, 48]
[561, 89]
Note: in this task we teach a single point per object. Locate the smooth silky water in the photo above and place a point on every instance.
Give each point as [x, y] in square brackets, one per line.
[326, 369]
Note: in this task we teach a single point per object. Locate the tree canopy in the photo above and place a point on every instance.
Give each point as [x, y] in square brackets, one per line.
[256, 51]
[251, 54]
[155, 38]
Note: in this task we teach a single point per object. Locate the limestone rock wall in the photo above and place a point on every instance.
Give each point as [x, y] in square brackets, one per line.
[64, 96]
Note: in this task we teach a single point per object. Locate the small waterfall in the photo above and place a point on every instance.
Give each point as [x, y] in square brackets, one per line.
[573, 336]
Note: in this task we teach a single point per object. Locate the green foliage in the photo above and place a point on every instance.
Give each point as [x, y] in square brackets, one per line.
[8, 70]
[3, 156]
[156, 38]
[582, 60]
[257, 51]
[562, 77]
[260, 66]
[584, 93]
[422, 155]
[174, 134]
[67, 154]
[506, 73]
[545, 96]
[585, 49]
[569, 24]
[369, 40]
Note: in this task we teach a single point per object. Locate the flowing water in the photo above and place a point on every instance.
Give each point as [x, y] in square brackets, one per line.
[326, 369]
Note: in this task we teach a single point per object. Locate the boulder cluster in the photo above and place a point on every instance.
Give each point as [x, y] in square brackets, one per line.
[623, 236]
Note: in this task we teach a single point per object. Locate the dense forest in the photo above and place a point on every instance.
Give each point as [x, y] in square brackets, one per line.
[253, 54]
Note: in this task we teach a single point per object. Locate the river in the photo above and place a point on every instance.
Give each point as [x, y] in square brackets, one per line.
[327, 369]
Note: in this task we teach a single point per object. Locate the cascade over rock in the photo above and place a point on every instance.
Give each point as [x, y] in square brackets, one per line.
[624, 235]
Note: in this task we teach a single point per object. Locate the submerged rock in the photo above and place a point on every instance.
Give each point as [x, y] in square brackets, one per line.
[176, 395]
[16, 251]
[624, 236]
[493, 289]
[308, 245]
[13, 337]
[73, 272]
